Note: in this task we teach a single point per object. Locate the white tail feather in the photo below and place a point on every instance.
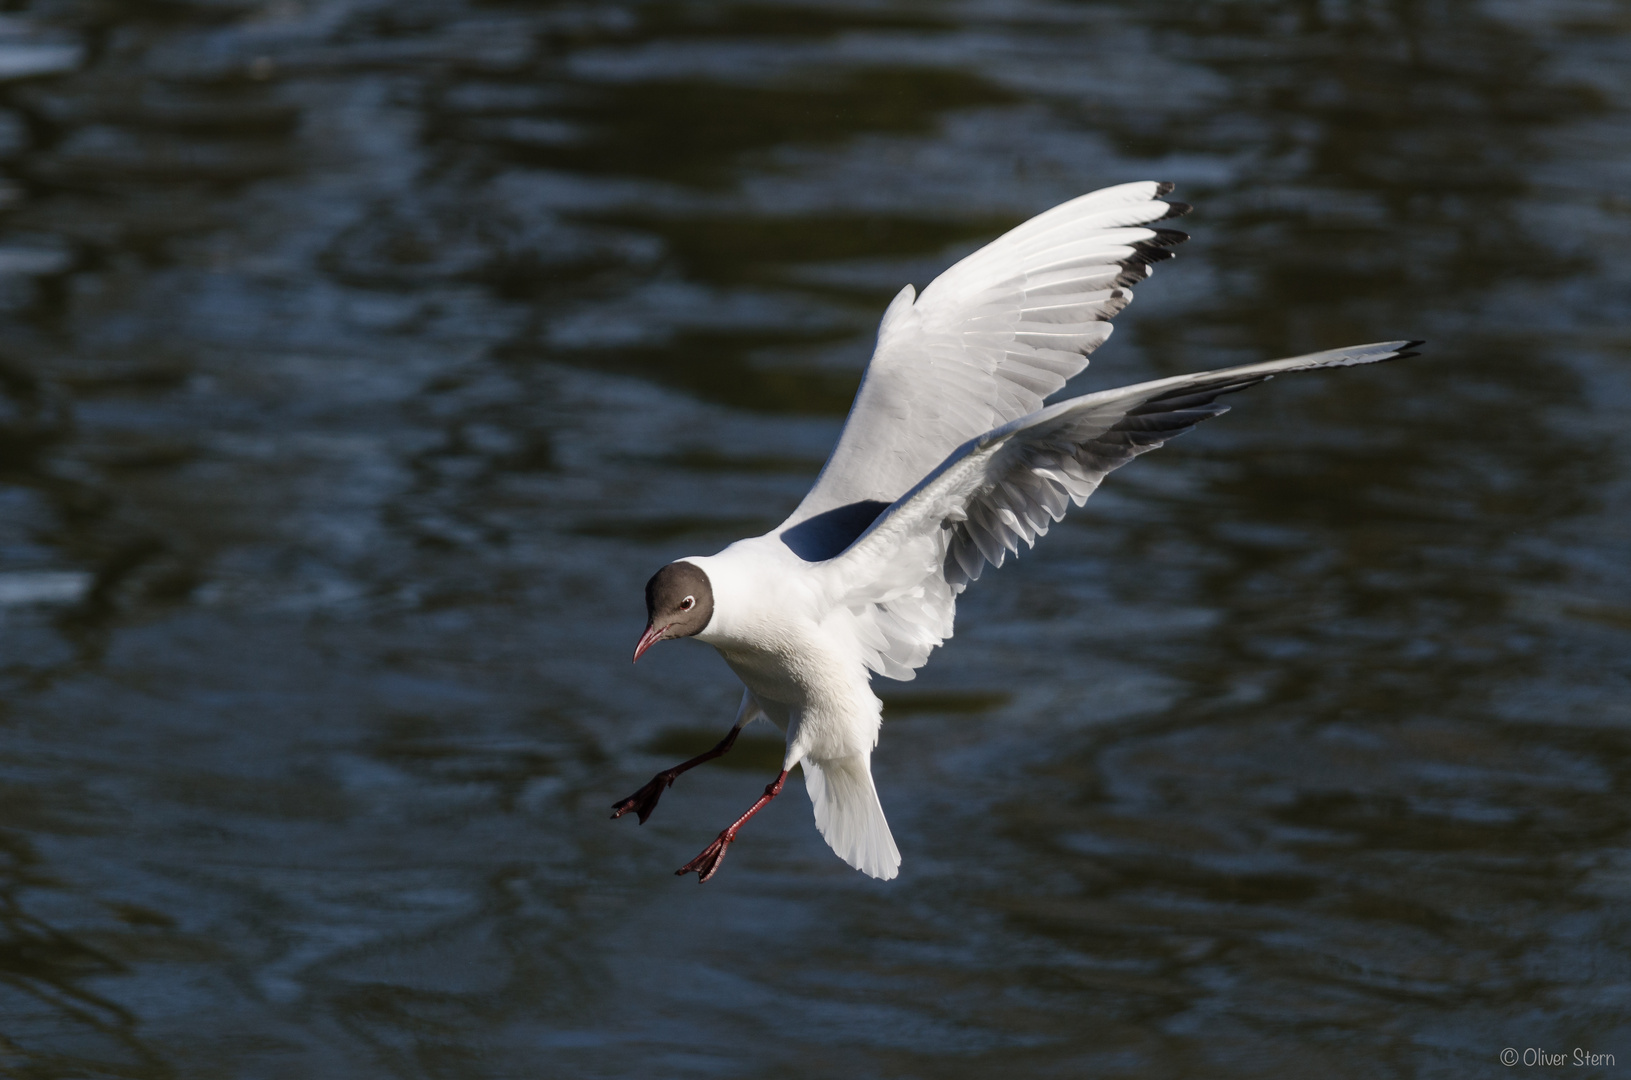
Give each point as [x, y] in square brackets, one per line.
[849, 815]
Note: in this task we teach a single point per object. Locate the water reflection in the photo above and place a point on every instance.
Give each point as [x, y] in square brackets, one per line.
[359, 360]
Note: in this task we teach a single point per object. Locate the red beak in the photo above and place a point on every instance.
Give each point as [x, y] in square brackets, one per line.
[652, 635]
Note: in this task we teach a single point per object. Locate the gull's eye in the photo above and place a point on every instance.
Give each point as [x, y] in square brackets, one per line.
[688, 603]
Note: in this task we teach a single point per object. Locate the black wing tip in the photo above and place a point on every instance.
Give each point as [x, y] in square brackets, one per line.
[1146, 253]
[1164, 187]
[1175, 209]
[1136, 267]
[1407, 350]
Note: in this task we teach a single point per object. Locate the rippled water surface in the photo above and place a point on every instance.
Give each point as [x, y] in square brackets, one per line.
[360, 359]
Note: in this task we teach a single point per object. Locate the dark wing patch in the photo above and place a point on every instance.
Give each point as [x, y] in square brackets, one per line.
[819, 538]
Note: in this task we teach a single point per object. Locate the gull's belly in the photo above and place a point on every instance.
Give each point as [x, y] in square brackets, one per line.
[771, 675]
[800, 667]
[831, 710]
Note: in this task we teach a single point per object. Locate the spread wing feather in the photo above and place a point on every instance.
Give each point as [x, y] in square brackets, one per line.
[991, 338]
[1008, 485]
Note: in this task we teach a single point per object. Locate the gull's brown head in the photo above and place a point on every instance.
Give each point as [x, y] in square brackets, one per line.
[679, 603]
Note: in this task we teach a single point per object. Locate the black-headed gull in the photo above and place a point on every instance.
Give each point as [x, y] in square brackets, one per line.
[947, 461]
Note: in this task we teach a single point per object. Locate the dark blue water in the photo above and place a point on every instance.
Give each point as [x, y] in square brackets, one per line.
[359, 360]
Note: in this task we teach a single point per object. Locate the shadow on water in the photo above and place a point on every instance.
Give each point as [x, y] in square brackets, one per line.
[359, 360]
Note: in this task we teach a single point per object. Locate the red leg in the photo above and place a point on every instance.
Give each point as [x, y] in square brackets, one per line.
[707, 864]
[644, 801]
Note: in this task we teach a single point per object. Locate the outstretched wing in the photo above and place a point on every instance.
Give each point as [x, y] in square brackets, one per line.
[987, 341]
[1009, 485]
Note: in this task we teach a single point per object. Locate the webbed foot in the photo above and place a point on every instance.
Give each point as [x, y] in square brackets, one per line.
[707, 864]
[644, 801]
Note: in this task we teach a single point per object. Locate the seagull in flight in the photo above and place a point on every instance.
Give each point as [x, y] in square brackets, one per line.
[948, 462]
